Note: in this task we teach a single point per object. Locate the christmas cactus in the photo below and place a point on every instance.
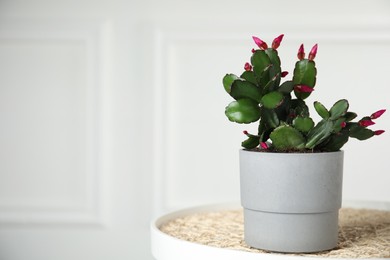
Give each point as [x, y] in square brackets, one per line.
[280, 108]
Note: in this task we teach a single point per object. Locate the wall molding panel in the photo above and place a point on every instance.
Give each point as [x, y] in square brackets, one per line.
[63, 179]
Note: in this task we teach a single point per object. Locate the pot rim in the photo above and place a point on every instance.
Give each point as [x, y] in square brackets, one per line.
[303, 153]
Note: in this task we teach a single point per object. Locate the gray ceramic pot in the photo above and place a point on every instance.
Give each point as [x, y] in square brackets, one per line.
[291, 200]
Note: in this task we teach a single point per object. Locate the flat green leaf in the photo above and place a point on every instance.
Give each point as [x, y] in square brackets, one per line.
[337, 125]
[244, 89]
[286, 137]
[270, 118]
[275, 69]
[260, 61]
[304, 74]
[286, 87]
[349, 116]
[261, 64]
[249, 76]
[359, 132]
[303, 124]
[272, 99]
[243, 111]
[272, 84]
[319, 133]
[336, 141]
[274, 57]
[228, 81]
[321, 110]
[339, 109]
[251, 142]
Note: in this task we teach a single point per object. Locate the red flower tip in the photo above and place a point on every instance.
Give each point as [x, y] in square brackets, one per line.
[284, 74]
[277, 41]
[366, 122]
[377, 114]
[301, 52]
[303, 88]
[343, 124]
[262, 45]
[247, 66]
[313, 52]
[264, 145]
[379, 132]
[253, 50]
[245, 132]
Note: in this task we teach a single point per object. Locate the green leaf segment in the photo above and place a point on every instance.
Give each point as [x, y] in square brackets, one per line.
[280, 108]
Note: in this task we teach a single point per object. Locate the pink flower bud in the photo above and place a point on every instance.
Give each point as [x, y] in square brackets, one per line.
[264, 145]
[301, 52]
[366, 122]
[377, 114]
[245, 132]
[247, 66]
[277, 41]
[343, 124]
[262, 45]
[379, 132]
[303, 88]
[253, 50]
[284, 74]
[313, 52]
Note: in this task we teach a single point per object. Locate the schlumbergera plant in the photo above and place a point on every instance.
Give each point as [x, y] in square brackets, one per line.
[284, 120]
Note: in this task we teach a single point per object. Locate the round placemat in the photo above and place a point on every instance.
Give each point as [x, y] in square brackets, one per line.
[363, 233]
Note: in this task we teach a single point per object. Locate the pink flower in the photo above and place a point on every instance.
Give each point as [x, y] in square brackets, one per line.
[303, 88]
[245, 132]
[262, 45]
[313, 52]
[284, 74]
[366, 122]
[247, 66]
[301, 52]
[264, 145]
[379, 132]
[343, 124]
[277, 41]
[253, 50]
[377, 114]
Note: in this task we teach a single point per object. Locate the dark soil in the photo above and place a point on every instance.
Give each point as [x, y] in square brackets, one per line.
[285, 151]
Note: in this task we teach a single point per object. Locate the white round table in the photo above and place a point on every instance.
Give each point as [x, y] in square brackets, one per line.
[166, 247]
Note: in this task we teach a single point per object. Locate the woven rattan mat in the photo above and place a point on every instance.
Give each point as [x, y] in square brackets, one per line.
[363, 233]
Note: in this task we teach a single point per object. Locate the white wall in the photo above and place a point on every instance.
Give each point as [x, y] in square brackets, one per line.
[113, 111]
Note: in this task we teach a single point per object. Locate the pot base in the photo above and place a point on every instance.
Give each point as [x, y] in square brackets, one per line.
[290, 232]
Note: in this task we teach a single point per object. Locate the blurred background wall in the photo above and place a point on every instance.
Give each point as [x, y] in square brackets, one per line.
[112, 111]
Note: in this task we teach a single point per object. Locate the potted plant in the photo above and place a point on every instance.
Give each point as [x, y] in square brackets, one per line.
[291, 169]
